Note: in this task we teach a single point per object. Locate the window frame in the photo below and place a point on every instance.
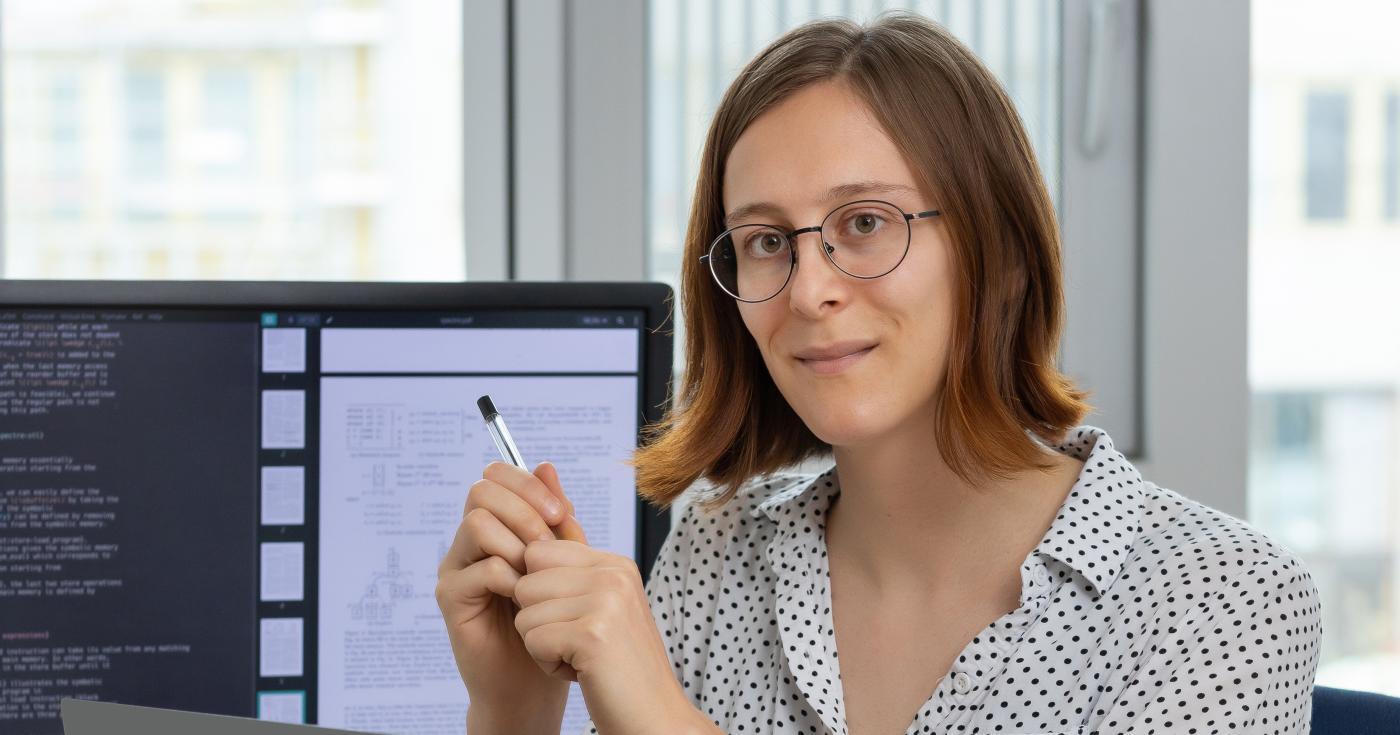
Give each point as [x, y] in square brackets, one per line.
[1100, 170]
[578, 123]
[1196, 122]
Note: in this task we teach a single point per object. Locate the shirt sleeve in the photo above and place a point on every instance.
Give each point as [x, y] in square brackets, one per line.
[666, 592]
[1242, 659]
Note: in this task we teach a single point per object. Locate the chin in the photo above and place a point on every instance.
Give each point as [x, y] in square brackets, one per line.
[842, 422]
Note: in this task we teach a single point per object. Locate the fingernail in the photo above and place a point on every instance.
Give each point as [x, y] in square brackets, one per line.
[553, 507]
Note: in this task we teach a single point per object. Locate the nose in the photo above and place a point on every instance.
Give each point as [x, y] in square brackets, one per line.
[816, 286]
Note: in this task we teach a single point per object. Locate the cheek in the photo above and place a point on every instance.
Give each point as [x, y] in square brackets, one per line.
[920, 306]
[760, 319]
[921, 291]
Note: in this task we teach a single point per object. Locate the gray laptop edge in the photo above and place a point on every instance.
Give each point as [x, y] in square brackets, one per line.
[86, 717]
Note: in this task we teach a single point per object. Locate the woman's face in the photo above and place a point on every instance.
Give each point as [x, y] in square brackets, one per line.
[791, 157]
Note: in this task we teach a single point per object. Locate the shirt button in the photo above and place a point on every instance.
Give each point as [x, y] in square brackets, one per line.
[962, 683]
[1041, 577]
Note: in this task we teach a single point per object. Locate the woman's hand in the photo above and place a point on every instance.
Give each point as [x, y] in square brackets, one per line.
[506, 509]
[584, 617]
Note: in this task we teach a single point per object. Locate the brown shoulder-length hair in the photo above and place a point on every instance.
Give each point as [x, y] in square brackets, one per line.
[963, 139]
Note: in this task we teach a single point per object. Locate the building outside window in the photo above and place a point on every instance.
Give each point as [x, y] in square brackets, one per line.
[1324, 258]
[247, 139]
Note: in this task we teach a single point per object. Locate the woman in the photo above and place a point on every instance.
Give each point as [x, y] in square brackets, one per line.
[872, 269]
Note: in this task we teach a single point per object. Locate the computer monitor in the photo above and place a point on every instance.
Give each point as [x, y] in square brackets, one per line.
[232, 497]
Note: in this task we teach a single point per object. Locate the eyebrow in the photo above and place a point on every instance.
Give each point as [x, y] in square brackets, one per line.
[838, 192]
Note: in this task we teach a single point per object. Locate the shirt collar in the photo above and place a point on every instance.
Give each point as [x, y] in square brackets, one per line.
[1092, 533]
[1097, 524]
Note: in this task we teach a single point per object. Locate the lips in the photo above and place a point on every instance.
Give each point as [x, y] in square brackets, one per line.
[834, 351]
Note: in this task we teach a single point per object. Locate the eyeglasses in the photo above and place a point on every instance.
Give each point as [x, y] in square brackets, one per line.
[865, 239]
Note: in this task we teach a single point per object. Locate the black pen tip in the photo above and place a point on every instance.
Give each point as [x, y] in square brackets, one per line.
[488, 409]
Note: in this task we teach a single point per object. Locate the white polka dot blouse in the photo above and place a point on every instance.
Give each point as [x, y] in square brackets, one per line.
[1140, 611]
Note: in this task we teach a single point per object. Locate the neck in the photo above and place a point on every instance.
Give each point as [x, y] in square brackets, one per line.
[906, 521]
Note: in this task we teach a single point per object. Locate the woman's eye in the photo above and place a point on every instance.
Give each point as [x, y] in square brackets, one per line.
[864, 223]
[768, 243]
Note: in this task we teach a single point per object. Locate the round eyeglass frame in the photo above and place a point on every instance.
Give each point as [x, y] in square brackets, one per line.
[708, 257]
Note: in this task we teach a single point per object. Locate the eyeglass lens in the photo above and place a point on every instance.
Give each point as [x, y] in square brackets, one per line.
[863, 239]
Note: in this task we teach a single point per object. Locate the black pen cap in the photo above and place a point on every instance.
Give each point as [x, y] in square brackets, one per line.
[488, 409]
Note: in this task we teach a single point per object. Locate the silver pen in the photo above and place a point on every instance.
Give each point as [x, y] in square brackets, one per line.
[499, 433]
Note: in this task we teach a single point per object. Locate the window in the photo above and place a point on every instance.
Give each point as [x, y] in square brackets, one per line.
[1324, 483]
[224, 144]
[146, 136]
[66, 151]
[249, 139]
[1327, 155]
[1324, 373]
[1390, 173]
[64, 117]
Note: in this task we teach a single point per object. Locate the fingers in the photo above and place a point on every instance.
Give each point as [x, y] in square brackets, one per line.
[548, 644]
[529, 487]
[556, 610]
[519, 516]
[569, 529]
[465, 592]
[482, 534]
[502, 519]
[549, 475]
[550, 584]
[555, 572]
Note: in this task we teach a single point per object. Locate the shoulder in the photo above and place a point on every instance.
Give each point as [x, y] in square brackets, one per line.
[1174, 524]
[702, 527]
[1208, 603]
[1198, 549]
[704, 541]
[748, 501]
